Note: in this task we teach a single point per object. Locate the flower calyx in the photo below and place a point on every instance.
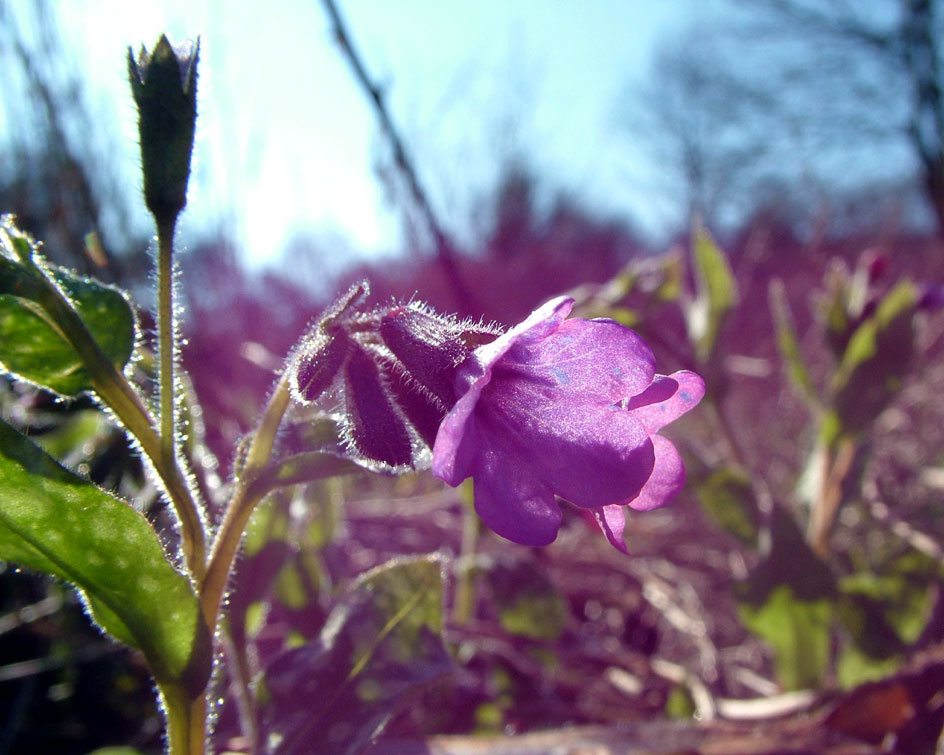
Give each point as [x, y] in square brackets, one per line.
[389, 370]
[164, 85]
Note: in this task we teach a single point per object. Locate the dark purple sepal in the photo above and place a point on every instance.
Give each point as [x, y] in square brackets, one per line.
[316, 366]
[376, 430]
[417, 405]
[429, 347]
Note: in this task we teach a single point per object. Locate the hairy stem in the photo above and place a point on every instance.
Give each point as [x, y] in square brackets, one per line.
[119, 395]
[245, 498]
[186, 721]
[165, 337]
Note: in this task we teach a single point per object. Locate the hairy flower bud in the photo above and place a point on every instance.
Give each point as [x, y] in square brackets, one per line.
[429, 347]
[376, 429]
[391, 371]
[419, 408]
[164, 85]
[316, 366]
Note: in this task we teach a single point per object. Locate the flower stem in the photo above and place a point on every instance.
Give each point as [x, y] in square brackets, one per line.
[464, 603]
[165, 337]
[186, 721]
[245, 498]
[116, 391]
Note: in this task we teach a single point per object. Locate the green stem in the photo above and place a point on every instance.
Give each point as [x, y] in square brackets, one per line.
[464, 605]
[244, 500]
[241, 674]
[186, 721]
[120, 396]
[165, 337]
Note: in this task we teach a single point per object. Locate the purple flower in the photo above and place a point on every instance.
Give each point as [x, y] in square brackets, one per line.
[567, 408]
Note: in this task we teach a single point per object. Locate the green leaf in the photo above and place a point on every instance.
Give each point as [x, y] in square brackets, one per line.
[788, 343]
[876, 359]
[888, 611]
[32, 345]
[679, 703]
[53, 521]
[788, 601]
[381, 644]
[855, 667]
[528, 603]
[799, 632]
[727, 498]
[716, 293]
[869, 338]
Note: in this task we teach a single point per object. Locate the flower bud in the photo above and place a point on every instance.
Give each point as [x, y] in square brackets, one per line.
[376, 430]
[316, 366]
[430, 347]
[164, 85]
[418, 406]
[393, 369]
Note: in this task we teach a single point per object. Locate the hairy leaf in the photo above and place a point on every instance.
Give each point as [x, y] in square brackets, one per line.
[381, 643]
[32, 345]
[54, 521]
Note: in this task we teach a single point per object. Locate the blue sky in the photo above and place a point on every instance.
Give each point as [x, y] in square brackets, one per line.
[287, 142]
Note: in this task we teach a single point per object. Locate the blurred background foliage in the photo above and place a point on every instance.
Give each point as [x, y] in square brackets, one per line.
[806, 553]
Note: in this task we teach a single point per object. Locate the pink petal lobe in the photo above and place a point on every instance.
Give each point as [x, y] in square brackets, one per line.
[667, 478]
[612, 520]
[590, 454]
[667, 399]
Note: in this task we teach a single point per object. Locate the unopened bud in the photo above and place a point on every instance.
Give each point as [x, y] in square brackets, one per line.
[164, 85]
[423, 410]
[376, 430]
[316, 366]
[430, 347]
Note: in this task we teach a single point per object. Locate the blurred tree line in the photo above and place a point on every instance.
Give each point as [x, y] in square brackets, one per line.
[803, 108]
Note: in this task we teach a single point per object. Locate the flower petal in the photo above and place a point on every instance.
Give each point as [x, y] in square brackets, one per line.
[666, 480]
[598, 360]
[539, 324]
[667, 399]
[612, 520]
[457, 440]
[454, 450]
[590, 454]
[513, 503]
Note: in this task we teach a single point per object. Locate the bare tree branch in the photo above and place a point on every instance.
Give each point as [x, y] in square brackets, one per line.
[445, 249]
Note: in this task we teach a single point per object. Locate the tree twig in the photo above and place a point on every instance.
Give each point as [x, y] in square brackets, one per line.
[445, 250]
